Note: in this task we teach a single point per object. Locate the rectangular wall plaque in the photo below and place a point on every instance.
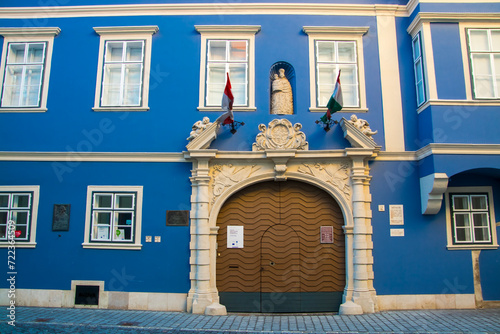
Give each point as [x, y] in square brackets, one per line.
[397, 232]
[235, 237]
[177, 218]
[60, 219]
[326, 233]
[396, 214]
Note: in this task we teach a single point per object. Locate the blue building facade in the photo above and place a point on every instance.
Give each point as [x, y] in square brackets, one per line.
[103, 197]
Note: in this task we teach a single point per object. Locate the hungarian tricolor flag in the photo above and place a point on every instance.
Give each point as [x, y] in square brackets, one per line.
[227, 104]
[335, 103]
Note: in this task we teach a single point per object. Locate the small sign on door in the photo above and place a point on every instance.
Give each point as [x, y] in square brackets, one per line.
[326, 233]
[235, 237]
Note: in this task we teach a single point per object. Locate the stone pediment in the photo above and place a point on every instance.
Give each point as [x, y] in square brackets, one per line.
[280, 134]
[358, 136]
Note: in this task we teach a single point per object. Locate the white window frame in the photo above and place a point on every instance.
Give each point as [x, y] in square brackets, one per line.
[451, 244]
[90, 242]
[320, 33]
[29, 35]
[416, 60]
[492, 63]
[464, 42]
[228, 32]
[35, 197]
[125, 34]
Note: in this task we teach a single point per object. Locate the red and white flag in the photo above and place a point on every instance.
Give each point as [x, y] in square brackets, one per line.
[227, 104]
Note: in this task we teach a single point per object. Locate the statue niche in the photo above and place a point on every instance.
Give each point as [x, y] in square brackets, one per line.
[282, 75]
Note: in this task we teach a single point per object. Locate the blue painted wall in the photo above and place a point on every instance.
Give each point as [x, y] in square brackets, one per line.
[402, 265]
[448, 63]
[59, 257]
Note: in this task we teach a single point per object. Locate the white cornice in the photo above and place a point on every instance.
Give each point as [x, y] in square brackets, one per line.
[227, 28]
[335, 30]
[462, 149]
[93, 156]
[127, 30]
[226, 8]
[452, 17]
[30, 31]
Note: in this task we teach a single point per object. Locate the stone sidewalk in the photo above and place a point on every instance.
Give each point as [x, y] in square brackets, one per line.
[65, 320]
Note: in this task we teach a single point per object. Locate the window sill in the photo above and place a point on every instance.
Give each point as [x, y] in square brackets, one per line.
[22, 110]
[112, 246]
[346, 110]
[471, 247]
[220, 110]
[19, 244]
[120, 109]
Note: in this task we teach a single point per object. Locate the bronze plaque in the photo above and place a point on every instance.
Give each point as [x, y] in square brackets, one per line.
[177, 218]
[60, 219]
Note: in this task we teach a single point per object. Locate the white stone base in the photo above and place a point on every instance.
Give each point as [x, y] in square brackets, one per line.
[215, 309]
[426, 302]
[350, 308]
[107, 300]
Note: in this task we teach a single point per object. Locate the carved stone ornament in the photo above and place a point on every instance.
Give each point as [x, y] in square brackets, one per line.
[280, 135]
[334, 174]
[224, 176]
[198, 127]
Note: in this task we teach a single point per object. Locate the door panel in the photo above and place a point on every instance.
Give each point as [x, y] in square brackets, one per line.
[283, 266]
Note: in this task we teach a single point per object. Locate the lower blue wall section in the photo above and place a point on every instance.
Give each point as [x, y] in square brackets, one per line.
[419, 262]
[59, 256]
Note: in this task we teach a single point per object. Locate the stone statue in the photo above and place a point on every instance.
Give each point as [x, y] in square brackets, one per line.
[198, 128]
[362, 125]
[281, 98]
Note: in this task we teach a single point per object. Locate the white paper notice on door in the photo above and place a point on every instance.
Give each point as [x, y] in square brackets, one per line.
[235, 237]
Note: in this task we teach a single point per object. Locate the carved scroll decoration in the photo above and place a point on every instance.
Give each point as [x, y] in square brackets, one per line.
[334, 174]
[280, 135]
[224, 176]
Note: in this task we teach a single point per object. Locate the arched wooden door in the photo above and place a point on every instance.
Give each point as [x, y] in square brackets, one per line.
[290, 262]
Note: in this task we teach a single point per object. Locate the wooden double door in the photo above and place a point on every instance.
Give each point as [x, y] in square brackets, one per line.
[286, 264]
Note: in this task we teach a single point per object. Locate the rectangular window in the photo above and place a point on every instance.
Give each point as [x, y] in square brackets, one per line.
[484, 55]
[227, 56]
[18, 215]
[470, 219]
[113, 217]
[123, 73]
[25, 68]
[123, 68]
[418, 69]
[15, 208]
[332, 57]
[22, 82]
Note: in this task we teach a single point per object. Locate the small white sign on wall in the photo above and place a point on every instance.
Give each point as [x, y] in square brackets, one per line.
[396, 214]
[235, 237]
[397, 232]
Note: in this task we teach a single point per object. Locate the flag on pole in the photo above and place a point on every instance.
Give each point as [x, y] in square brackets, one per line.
[335, 103]
[227, 104]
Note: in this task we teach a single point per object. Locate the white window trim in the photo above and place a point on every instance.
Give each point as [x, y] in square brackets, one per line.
[31, 243]
[336, 34]
[138, 218]
[125, 34]
[464, 26]
[24, 35]
[449, 227]
[228, 32]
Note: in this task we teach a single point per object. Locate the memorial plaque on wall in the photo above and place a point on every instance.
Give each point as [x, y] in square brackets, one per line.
[177, 218]
[60, 219]
[326, 234]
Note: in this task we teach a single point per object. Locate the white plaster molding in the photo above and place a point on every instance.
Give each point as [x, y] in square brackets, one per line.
[226, 175]
[227, 29]
[280, 135]
[127, 30]
[335, 30]
[432, 188]
[228, 8]
[204, 138]
[354, 135]
[73, 157]
[451, 17]
[336, 174]
[30, 31]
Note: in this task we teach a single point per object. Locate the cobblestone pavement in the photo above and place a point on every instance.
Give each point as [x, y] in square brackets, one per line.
[65, 320]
